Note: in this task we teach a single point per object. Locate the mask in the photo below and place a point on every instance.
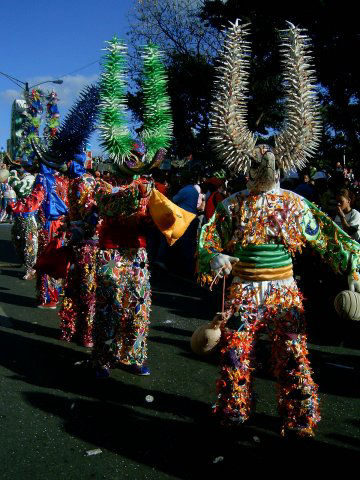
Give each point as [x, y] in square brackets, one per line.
[263, 174]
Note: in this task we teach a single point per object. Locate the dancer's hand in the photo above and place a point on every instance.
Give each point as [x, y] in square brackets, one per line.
[354, 284]
[222, 264]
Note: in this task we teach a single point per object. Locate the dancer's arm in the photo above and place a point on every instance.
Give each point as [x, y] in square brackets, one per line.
[334, 245]
[214, 237]
[32, 202]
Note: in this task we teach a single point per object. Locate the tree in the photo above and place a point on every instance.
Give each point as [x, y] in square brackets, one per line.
[175, 26]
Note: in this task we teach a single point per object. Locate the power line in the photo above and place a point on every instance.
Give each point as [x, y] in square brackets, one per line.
[12, 79]
[16, 81]
[81, 68]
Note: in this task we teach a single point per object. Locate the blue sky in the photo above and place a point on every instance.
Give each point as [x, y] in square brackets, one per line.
[46, 39]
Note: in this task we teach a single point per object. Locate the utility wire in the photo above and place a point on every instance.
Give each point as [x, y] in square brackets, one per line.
[12, 79]
[16, 81]
[81, 68]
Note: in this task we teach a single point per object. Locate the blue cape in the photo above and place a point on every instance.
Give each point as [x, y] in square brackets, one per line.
[54, 207]
[77, 166]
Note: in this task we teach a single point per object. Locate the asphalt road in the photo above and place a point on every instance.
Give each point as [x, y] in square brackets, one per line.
[52, 415]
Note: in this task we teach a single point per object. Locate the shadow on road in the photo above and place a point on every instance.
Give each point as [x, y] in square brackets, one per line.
[7, 252]
[52, 366]
[13, 273]
[186, 450]
[173, 330]
[29, 327]
[18, 300]
[172, 434]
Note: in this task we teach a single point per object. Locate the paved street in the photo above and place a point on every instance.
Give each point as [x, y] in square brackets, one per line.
[52, 413]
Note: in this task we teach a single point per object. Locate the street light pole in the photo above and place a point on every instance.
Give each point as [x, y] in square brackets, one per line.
[58, 82]
[26, 84]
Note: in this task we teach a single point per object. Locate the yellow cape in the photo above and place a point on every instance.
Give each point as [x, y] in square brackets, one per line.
[170, 219]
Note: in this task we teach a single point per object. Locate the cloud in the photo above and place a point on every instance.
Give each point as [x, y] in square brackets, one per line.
[9, 95]
[72, 86]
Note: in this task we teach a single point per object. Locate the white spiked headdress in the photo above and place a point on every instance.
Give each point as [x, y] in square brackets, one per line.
[301, 132]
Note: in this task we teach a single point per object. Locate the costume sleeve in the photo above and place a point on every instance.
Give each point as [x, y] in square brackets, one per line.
[214, 237]
[32, 202]
[335, 246]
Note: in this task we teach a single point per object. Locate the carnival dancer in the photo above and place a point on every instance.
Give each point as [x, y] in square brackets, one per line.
[46, 200]
[9, 196]
[253, 235]
[66, 155]
[123, 296]
[78, 306]
[24, 232]
[51, 217]
[4, 176]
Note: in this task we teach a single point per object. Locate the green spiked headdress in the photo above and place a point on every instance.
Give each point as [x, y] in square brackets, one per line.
[157, 129]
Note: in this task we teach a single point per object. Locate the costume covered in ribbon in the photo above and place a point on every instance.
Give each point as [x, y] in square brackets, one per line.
[263, 231]
[24, 231]
[78, 306]
[65, 155]
[123, 292]
[255, 233]
[51, 215]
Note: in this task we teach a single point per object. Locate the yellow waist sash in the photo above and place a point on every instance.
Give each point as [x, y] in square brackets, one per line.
[248, 271]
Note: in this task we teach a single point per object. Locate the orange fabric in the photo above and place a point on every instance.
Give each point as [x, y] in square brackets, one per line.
[170, 219]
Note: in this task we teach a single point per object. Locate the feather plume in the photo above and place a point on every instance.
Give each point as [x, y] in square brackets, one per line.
[231, 137]
[78, 125]
[115, 134]
[301, 133]
[158, 125]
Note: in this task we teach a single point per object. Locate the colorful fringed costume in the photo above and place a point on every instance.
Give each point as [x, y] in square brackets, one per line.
[262, 231]
[78, 306]
[24, 231]
[255, 233]
[123, 291]
[46, 202]
[66, 155]
[51, 215]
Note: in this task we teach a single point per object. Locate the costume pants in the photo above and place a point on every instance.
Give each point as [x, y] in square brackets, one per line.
[4, 216]
[24, 235]
[123, 301]
[47, 288]
[78, 308]
[276, 306]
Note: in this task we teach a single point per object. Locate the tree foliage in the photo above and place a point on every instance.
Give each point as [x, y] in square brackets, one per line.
[175, 26]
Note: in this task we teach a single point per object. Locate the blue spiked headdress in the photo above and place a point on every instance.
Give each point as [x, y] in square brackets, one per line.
[74, 132]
